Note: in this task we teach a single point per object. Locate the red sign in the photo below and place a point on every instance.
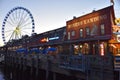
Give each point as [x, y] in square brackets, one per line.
[44, 40]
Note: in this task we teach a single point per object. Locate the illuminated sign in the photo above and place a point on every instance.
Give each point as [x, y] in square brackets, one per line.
[118, 38]
[53, 38]
[117, 21]
[48, 39]
[87, 21]
[44, 40]
[102, 49]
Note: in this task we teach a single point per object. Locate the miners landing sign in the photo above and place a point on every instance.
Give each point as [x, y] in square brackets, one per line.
[88, 21]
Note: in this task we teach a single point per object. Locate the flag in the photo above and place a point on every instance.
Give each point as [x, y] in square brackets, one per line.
[112, 1]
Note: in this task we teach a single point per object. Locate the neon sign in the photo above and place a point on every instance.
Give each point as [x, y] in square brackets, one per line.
[117, 21]
[102, 49]
[44, 40]
[53, 38]
[118, 38]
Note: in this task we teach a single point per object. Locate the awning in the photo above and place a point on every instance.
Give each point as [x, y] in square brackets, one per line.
[52, 49]
[21, 50]
[34, 50]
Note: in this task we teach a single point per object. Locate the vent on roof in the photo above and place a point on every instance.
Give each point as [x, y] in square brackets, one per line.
[74, 17]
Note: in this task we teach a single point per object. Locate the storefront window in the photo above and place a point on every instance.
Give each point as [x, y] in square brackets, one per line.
[65, 49]
[85, 49]
[81, 48]
[76, 49]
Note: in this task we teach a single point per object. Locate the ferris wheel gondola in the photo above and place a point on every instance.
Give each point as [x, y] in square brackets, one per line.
[17, 23]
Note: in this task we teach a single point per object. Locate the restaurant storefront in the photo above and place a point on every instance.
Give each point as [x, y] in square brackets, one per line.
[91, 33]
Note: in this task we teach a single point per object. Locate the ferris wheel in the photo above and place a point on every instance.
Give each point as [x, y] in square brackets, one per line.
[17, 23]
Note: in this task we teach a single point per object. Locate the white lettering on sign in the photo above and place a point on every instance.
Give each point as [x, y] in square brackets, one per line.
[87, 21]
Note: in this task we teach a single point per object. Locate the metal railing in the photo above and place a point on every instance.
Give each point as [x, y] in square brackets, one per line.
[73, 62]
[117, 63]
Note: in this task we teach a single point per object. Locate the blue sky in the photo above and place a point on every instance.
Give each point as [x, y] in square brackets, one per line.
[52, 14]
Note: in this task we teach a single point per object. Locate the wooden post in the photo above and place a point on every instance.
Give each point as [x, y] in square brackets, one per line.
[47, 67]
[119, 75]
[54, 76]
[37, 66]
[102, 70]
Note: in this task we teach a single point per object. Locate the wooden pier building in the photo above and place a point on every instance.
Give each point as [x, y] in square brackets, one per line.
[87, 48]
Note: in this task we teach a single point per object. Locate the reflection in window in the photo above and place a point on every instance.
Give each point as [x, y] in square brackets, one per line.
[81, 32]
[102, 28]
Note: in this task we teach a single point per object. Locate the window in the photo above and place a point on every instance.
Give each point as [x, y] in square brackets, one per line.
[86, 48]
[81, 46]
[68, 35]
[76, 49]
[87, 31]
[56, 34]
[102, 28]
[94, 30]
[81, 32]
[73, 33]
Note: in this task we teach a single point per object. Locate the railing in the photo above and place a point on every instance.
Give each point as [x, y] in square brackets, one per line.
[85, 62]
[95, 67]
[73, 62]
[117, 63]
[2, 57]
